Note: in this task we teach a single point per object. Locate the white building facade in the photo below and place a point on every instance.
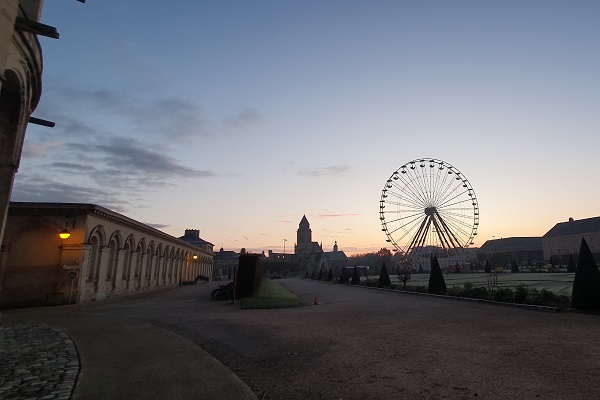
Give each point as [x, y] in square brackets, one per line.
[106, 255]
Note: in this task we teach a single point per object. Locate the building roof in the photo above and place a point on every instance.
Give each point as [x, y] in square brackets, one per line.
[304, 222]
[226, 255]
[336, 255]
[512, 244]
[574, 227]
[192, 236]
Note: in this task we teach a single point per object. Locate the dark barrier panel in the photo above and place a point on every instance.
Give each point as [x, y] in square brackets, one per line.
[249, 275]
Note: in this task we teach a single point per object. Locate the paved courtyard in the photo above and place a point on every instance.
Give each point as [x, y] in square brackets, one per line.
[362, 344]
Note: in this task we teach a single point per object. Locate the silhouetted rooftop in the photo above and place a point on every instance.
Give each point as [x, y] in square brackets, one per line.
[573, 227]
[512, 244]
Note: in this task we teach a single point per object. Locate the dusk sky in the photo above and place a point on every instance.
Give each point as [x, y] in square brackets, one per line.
[238, 117]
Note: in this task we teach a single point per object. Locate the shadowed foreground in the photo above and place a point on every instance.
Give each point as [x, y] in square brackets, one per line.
[359, 344]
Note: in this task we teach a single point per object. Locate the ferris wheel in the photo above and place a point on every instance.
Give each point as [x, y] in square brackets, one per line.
[428, 204]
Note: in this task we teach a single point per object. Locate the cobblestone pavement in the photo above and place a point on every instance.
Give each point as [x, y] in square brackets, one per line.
[37, 362]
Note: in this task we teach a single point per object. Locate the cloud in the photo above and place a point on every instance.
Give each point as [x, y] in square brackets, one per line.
[247, 118]
[157, 226]
[332, 170]
[166, 117]
[41, 189]
[285, 222]
[323, 216]
[37, 149]
[130, 155]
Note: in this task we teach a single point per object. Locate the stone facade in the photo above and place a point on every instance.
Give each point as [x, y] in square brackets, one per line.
[564, 239]
[106, 255]
[20, 89]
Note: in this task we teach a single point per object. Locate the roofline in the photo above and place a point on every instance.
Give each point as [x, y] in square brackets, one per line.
[94, 209]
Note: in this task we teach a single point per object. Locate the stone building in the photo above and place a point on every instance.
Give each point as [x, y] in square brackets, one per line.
[64, 253]
[501, 252]
[564, 239]
[309, 255]
[20, 85]
[225, 263]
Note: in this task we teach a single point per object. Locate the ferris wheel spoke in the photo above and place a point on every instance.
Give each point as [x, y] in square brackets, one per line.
[404, 218]
[466, 204]
[399, 198]
[413, 189]
[459, 227]
[436, 183]
[446, 201]
[409, 222]
[450, 233]
[404, 197]
[415, 182]
[448, 188]
[419, 237]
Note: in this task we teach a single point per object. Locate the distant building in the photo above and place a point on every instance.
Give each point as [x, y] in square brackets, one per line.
[66, 253]
[309, 255]
[337, 259]
[564, 239]
[192, 236]
[501, 252]
[225, 263]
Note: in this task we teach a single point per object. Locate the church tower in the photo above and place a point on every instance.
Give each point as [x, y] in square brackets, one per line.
[304, 234]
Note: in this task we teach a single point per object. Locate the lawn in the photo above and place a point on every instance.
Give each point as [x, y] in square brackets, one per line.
[560, 283]
[272, 295]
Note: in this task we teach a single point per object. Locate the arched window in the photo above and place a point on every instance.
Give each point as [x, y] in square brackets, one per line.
[94, 258]
[140, 259]
[113, 258]
[127, 254]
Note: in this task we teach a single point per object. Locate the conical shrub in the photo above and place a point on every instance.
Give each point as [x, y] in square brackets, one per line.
[355, 277]
[384, 278]
[437, 283]
[320, 274]
[514, 267]
[330, 275]
[344, 276]
[488, 268]
[571, 267]
[312, 276]
[586, 285]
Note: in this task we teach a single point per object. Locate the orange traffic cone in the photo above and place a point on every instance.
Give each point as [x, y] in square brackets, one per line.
[316, 302]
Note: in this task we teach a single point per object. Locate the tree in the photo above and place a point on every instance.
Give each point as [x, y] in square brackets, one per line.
[586, 285]
[488, 268]
[514, 267]
[404, 276]
[320, 274]
[384, 277]
[312, 276]
[355, 277]
[384, 256]
[437, 283]
[330, 275]
[571, 267]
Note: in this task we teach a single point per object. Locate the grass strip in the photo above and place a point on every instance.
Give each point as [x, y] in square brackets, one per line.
[272, 295]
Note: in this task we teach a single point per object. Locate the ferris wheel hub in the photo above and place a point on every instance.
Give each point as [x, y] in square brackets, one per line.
[429, 211]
